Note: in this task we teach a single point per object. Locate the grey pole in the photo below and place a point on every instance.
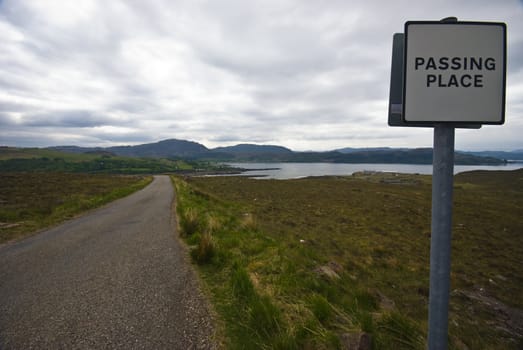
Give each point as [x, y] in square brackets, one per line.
[442, 183]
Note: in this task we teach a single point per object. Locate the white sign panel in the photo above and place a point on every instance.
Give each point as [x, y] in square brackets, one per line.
[454, 72]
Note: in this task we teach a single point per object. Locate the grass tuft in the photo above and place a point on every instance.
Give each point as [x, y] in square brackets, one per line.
[242, 287]
[321, 308]
[213, 224]
[398, 332]
[248, 222]
[205, 250]
[265, 317]
[189, 222]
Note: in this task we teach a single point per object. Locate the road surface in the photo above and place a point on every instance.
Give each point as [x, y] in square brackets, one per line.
[116, 278]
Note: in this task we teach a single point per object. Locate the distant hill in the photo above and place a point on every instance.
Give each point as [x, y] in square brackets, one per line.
[514, 155]
[174, 148]
[353, 150]
[164, 149]
[391, 156]
[75, 149]
[251, 153]
[171, 148]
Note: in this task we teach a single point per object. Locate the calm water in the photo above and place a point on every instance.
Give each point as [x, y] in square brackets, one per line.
[297, 170]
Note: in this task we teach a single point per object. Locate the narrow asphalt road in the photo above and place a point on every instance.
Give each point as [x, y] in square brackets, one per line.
[116, 278]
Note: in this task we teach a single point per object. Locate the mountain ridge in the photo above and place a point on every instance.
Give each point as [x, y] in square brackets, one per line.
[247, 152]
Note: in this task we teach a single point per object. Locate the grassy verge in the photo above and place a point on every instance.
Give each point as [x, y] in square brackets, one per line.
[322, 262]
[32, 201]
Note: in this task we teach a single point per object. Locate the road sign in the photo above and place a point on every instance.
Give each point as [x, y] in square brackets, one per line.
[396, 89]
[454, 72]
[451, 74]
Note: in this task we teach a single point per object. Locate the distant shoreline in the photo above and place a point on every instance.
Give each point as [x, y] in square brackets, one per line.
[286, 170]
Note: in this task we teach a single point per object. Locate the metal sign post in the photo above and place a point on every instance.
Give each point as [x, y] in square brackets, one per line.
[446, 75]
[441, 232]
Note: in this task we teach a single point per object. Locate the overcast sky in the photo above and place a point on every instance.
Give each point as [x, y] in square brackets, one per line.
[308, 75]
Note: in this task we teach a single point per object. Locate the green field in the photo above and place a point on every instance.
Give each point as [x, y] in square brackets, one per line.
[33, 201]
[316, 263]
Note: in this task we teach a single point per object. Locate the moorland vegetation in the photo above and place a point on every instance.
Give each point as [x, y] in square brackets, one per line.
[318, 263]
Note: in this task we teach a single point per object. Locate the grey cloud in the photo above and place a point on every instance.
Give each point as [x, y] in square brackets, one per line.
[227, 71]
[13, 83]
[127, 138]
[355, 136]
[236, 138]
[8, 106]
[5, 120]
[25, 139]
[66, 119]
[134, 104]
